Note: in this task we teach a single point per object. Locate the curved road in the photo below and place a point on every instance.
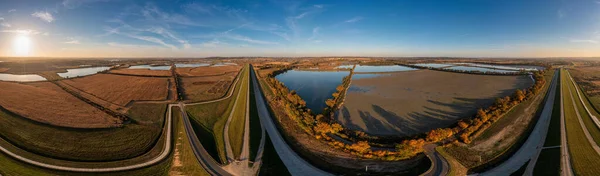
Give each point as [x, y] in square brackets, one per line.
[535, 141]
[439, 165]
[164, 153]
[294, 163]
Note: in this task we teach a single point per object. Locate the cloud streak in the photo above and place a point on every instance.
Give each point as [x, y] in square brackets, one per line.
[583, 41]
[44, 15]
[354, 20]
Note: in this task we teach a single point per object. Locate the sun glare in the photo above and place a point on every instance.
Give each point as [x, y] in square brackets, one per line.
[22, 45]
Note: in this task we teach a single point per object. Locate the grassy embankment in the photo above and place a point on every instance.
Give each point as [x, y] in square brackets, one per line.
[11, 166]
[272, 164]
[184, 160]
[255, 127]
[43, 142]
[476, 159]
[455, 168]
[238, 121]
[208, 121]
[583, 157]
[548, 163]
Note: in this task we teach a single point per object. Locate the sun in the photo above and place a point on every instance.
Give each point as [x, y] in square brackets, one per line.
[22, 45]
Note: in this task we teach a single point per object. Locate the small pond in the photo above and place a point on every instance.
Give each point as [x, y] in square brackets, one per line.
[21, 78]
[77, 72]
[150, 67]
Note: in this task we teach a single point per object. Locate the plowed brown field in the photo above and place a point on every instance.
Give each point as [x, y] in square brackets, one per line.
[47, 103]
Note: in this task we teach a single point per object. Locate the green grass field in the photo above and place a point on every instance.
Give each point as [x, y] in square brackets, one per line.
[208, 121]
[583, 157]
[238, 121]
[184, 159]
[255, 129]
[589, 123]
[40, 141]
[10, 167]
[548, 162]
[553, 135]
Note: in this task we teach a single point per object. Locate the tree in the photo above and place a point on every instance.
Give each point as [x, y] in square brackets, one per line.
[361, 147]
[322, 128]
[519, 95]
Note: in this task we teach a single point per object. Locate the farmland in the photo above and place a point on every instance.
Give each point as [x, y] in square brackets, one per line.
[207, 71]
[206, 88]
[142, 72]
[413, 102]
[46, 103]
[122, 89]
[583, 156]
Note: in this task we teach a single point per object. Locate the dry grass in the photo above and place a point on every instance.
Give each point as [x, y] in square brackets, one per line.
[413, 102]
[142, 72]
[47, 103]
[206, 88]
[207, 71]
[120, 89]
[4, 69]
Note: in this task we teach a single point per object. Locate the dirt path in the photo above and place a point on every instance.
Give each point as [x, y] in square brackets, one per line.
[535, 141]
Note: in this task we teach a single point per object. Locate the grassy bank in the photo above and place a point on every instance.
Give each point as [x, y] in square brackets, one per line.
[553, 135]
[272, 164]
[10, 166]
[583, 157]
[184, 160]
[548, 162]
[39, 141]
[238, 121]
[208, 121]
[455, 167]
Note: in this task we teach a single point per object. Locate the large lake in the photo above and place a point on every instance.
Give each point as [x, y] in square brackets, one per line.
[374, 69]
[21, 78]
[313, 86]
[77, 72]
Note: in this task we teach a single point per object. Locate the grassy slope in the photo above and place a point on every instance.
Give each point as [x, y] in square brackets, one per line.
[553, 135]
[255, 128]
[132, 140]
[583, 157]
[272, 164]
[548, 163]
[10, 167]
[589, 123]
[209, 120]
[237, 126]
[455, 167]
[184, 161]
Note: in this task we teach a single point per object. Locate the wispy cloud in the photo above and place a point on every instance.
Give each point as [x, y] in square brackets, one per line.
[315, 33]
[12, 10]
[72, 41]
[20, 31]
[71, 4]
[135, 35]
[354, 20]
[167, 34]
[248, 39]
[4, 24]
[44, 15]
[583, 41]
[561, 13]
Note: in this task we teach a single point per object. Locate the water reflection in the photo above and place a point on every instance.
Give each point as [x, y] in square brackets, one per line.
[165, 67]
[378, 68]
[313, 86]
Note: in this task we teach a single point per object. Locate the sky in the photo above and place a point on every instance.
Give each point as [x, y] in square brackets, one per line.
[382, 28]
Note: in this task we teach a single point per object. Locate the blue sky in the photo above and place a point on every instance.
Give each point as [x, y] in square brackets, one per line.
[181, 28]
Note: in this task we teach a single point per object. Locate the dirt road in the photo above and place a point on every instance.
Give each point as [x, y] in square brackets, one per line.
[535, 141]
